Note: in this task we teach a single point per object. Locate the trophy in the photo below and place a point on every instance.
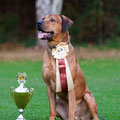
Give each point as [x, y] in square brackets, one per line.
[21, 95]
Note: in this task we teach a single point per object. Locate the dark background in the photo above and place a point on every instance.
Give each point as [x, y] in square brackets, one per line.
[96, 22]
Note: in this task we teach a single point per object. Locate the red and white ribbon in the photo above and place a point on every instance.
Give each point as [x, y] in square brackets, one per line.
[64, 81]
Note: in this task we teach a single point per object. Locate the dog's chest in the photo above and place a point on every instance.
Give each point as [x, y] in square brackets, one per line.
[52, 71]
[53, 77]
[51, 74]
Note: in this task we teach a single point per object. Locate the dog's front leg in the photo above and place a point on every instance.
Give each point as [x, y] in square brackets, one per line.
[71, 96]
[52, 102]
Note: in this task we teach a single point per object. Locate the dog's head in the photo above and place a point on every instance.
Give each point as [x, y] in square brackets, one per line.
[53, 24]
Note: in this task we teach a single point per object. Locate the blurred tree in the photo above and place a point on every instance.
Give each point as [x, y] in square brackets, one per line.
[17, 20]
[95, 21]
[99, 20]
[44, 7]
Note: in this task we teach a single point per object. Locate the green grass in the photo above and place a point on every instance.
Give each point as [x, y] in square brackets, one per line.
[102, 77]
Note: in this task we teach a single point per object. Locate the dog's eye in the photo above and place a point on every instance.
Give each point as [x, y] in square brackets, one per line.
[52, 20]
[43, 18]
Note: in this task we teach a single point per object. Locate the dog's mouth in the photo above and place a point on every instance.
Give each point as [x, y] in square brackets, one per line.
[45, 35]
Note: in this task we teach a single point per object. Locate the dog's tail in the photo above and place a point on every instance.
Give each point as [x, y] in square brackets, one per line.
[101, 117]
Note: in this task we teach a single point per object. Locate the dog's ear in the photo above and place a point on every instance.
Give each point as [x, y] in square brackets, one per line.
[66, 23]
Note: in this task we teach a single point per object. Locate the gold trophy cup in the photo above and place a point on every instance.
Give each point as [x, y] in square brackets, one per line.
[21, 95]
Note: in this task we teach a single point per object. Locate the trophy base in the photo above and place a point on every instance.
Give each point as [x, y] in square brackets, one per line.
[20, 117]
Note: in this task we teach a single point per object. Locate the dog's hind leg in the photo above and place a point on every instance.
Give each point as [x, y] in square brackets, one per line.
[61, 110]
[89, 98]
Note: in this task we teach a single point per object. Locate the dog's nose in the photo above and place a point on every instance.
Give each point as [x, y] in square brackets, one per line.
[39, 22]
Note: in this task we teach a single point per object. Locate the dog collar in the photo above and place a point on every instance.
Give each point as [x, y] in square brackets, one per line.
[54, 46]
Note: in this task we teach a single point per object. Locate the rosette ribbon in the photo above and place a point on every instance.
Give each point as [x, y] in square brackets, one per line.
[64, 81]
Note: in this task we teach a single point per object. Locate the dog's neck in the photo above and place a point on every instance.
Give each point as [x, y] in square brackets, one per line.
[62, 37]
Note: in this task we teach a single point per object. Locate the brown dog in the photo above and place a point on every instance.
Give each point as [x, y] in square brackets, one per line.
[78, 103]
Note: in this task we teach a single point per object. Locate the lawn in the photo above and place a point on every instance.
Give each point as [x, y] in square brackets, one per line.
[102, 77]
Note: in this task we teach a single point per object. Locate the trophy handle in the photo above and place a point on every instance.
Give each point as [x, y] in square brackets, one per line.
[31, 92]
[11, 92]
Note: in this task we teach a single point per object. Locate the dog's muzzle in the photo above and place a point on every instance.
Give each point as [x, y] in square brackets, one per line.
[43, 34]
